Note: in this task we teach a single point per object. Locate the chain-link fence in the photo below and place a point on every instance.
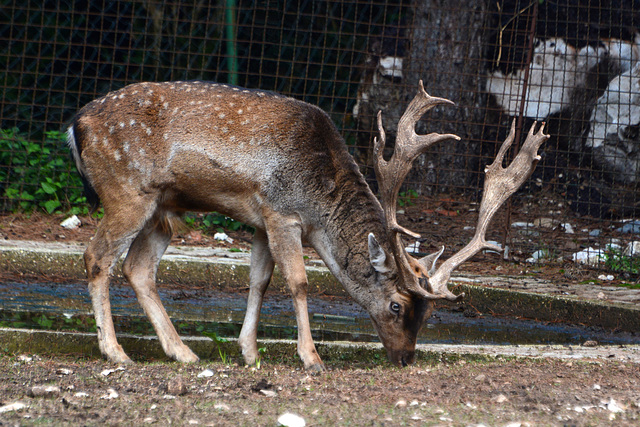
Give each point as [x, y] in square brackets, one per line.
[571, 63]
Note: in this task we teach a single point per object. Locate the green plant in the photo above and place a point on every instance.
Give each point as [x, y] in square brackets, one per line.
[261, 352]
[39, 175]
[406, 198]
[616, 261]
[218, 341]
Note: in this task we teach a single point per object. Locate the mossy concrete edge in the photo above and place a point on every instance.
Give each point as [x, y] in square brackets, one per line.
[226, 273]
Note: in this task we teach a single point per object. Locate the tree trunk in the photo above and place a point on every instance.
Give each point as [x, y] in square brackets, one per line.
[447, 54]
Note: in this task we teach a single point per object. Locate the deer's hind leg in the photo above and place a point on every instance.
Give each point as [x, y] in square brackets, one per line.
[259, 277]
[140, 268]
[115, 233]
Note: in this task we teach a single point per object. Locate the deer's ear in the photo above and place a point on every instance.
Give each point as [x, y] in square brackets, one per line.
[377, 255]
[429, 262]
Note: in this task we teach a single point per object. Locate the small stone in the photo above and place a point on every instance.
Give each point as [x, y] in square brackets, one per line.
[501, 398]
[71, 223]
[269, 393]
[44, 391]
[111, 394]
[64, 371]
[590, 343]
[206, 373]
[401, 403]
[291, 420]
[15, 406]
[596, 387]
[481, 377]
[176, 386]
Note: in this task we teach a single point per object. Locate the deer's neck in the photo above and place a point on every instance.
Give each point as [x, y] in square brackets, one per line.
[343, 240]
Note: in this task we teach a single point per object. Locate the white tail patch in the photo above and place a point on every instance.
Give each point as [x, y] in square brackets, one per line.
[71, 141]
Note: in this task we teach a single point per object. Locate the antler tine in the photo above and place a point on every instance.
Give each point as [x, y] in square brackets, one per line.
[409, 146]
[391, 174]
[500, 183]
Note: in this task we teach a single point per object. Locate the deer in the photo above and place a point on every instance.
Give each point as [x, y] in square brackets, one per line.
[150, 152]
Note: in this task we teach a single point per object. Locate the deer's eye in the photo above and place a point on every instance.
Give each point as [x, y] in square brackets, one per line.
[395, 307]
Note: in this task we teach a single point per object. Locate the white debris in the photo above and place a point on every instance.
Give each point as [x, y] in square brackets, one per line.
[538, 256]
[501, 398]
[613, 406]
[223, 237]
[413, 248]
[81, 394]
[401, 403]
[222, 407]
[108, 372]
[567, 228]
[556, 70]
[111, 394]
[632, 249]
[522, 225]
[596, 387]
[206, 373]
[269, 393]
[64, 371]
[607, 277]
[71, 223]
[390, 66]
[291, 420]
[15, 406]
[589, 256]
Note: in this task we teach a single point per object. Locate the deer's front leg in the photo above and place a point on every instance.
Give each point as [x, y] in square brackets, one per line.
[285, 243]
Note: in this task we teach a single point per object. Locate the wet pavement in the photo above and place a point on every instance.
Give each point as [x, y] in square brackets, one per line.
[221, 307]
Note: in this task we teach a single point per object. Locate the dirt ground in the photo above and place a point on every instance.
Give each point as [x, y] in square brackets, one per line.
[66, 390]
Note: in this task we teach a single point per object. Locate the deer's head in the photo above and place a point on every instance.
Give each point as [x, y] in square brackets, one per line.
[412, 285]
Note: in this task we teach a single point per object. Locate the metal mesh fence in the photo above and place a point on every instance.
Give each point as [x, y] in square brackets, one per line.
[572, 63]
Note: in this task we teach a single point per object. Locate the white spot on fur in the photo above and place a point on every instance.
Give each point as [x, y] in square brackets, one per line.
[148, 130]
[111, 129]
[224, 129]
[121, 124]
[132, 122]
[221, 115]
[240, 111]
[116, 154]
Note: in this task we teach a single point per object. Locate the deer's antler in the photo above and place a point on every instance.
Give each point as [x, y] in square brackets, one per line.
[391, 174]
[499, 184]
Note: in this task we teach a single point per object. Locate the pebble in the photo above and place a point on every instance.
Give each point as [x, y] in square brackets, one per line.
[44, 391]
[111, 394]
[15, 406]
[71, 223]
[206, 373]
[291, 420]
[177, 386]
[501, 398]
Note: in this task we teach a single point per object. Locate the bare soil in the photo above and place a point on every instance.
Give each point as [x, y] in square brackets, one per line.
[438, 392]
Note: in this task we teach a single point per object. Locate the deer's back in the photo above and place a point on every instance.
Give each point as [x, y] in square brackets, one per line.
[207, 146]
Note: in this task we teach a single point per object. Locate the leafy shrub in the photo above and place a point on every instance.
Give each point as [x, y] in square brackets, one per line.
[39, 175]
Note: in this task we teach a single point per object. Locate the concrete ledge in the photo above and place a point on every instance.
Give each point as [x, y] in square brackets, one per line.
[214, 268]
[29, 341]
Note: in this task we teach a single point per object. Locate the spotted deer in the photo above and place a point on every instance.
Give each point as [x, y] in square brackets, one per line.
[152, 151]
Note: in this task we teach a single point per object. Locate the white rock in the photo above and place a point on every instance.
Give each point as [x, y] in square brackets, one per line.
[596, 387]
[522, 225]
[607, 277]
[111, 394]
[613, 406]
[15, 406]
[223, 237]
[108, 372]
[390, 66]
[413, 248]
[206, 373]
[632, 249]
[501, 398]
[81, 394]
[291, 420]
[401, 403]
[71, 223]
[269, 393]
[568, 228]
[589, 256]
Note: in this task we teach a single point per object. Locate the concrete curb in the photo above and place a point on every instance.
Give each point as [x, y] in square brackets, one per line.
[225, 270]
